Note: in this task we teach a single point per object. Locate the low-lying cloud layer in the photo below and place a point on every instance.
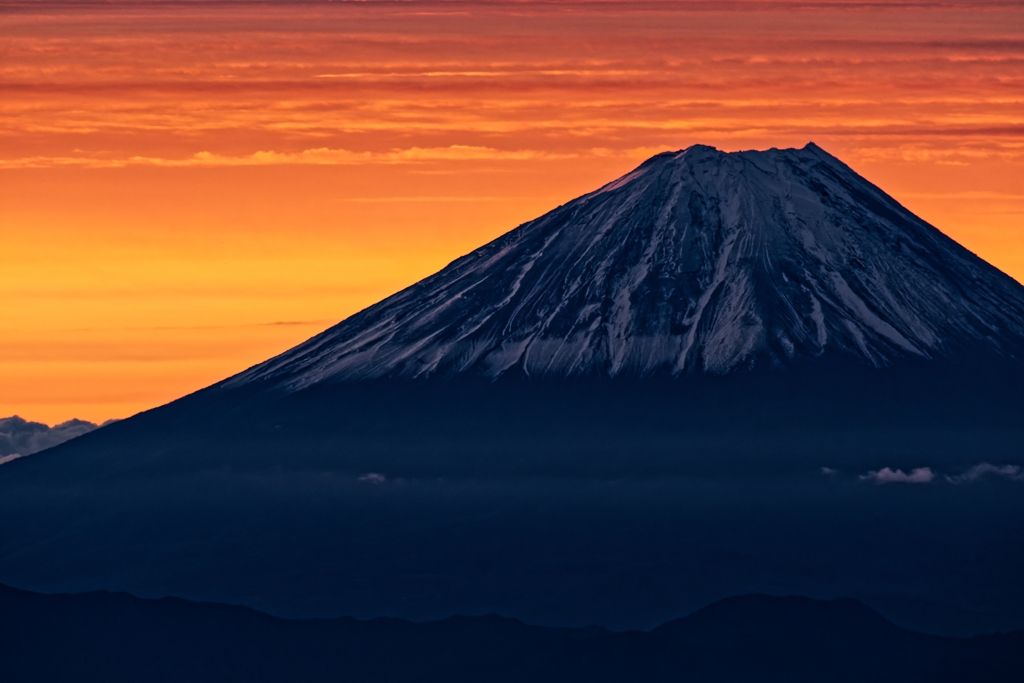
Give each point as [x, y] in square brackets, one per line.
[19, 437]
[919, 475]
[925, 475]
[1012, 472]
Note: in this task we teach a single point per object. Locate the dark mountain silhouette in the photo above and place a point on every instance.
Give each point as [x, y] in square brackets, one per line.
[114, 637]
[613, 414]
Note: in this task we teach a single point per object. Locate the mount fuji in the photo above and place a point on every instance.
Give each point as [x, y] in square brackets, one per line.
[721, 374]
[696, 262]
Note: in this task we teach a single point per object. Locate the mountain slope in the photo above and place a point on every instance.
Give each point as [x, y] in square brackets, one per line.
[696, 262]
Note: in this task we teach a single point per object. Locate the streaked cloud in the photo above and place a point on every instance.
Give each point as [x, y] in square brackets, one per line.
[317, 157]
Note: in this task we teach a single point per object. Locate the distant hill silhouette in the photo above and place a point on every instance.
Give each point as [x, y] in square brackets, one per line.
[115, 638]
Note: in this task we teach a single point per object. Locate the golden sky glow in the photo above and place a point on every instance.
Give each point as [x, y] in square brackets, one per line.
[187, 189]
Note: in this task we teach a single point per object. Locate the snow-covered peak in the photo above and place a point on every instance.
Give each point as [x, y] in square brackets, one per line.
[698, 261]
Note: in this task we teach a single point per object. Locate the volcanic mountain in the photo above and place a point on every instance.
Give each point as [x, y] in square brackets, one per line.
[709, 377]
[696, 262]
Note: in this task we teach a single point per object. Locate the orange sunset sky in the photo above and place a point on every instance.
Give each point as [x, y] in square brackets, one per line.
[189, 188]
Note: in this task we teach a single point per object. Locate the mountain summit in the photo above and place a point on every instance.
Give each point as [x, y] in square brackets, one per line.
[698, 261]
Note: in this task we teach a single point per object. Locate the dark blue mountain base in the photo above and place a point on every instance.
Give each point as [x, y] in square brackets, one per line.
[610, 502]
[114, 637]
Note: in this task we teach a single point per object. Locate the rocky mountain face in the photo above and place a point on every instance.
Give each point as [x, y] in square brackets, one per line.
[698, 261]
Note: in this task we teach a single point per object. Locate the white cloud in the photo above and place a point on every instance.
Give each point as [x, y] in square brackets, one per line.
[373, 478]
[1012, 472]
[21, 436]
[829, 472]
[919, 475]
[8, 458]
